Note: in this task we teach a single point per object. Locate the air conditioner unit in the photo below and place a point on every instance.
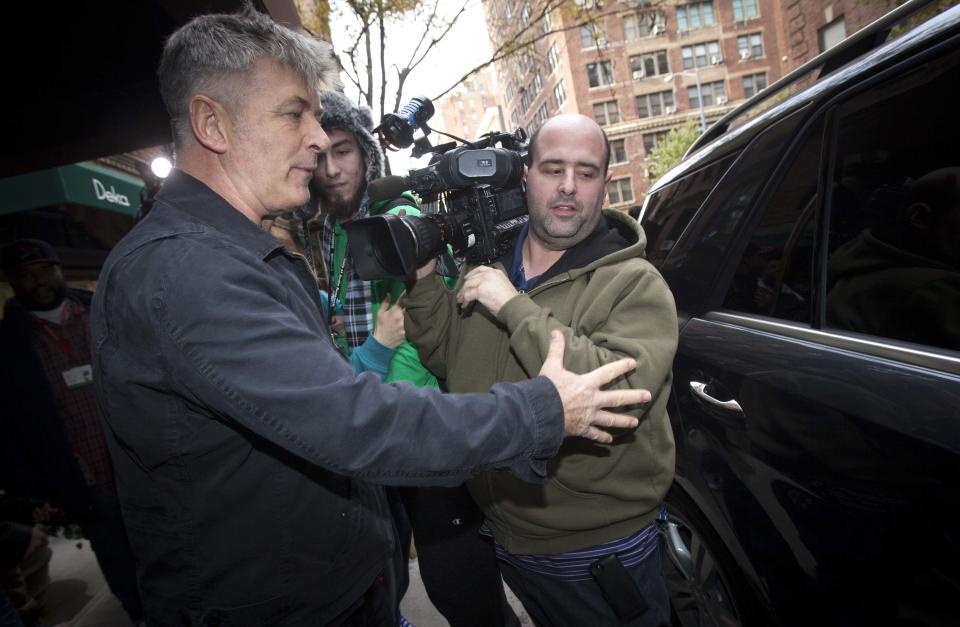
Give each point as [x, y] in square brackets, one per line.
[638, 74]
[659, 29]
[745, 54]
[669, 110]
[601, 41]
[715, 59]
[721, 100]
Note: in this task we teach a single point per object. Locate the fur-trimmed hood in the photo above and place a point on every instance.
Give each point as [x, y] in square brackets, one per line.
[340, 113]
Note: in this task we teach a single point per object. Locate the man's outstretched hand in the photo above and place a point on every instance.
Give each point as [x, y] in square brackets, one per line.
[584, 398]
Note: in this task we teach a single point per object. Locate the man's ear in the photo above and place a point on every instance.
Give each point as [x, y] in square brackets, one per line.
[208, 121]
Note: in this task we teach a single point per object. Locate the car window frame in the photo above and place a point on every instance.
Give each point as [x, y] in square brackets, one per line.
[825, 110]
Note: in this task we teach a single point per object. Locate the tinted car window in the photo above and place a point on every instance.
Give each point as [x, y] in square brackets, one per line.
[774, 275]
[703, 249]
[893, 268]
[671, 209]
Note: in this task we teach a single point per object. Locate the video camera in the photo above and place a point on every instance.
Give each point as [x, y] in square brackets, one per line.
[481, 204]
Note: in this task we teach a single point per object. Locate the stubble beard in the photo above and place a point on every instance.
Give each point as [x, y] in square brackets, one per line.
[554, 233]
[341, 207]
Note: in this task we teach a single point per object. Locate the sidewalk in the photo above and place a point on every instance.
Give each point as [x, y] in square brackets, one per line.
[78, 595]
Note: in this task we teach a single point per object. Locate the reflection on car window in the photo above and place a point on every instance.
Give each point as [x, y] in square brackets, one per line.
[672, 208]
[894, 244]
[774, 276]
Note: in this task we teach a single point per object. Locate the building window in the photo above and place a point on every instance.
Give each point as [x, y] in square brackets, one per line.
[525, 13]
[713, 93]
[700, 55]
[526, 61]
[650, 140]
[537, 84]
[695, 15]
[606, 112]
[750, 45]
[558, 94]
[744, 10]
[753, 83]
[620, 191]
[542, 114]
[593, 34]
[832, 34]
[509, 93]
[553, 58]
[660, 103]
[515, 119]
[525, 100]
[546, 22]
[599, 74]
[618, 151]
[649, 64]
[643, 24]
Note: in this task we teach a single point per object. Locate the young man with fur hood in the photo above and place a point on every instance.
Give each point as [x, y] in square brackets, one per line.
[457, 564]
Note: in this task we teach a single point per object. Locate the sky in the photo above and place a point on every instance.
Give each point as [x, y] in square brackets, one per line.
[463, 48]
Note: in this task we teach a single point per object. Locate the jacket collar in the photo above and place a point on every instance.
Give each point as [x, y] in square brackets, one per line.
[191, 196]
[615, 236]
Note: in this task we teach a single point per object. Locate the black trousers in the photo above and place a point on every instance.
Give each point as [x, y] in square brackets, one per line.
[458, 565]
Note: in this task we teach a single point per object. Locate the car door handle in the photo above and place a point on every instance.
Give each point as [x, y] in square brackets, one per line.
[700, 390]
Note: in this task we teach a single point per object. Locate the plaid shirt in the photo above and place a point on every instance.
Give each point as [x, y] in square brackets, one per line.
[354, 293]
[61, 348]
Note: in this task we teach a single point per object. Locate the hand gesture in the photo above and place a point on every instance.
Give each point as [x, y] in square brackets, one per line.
[584, 398]
[388, 329]
[488, 286]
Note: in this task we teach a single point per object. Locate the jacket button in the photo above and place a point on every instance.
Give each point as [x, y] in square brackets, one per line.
[456, 522]
[343, 514]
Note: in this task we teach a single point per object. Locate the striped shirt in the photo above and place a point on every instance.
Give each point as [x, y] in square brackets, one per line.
[575, 565]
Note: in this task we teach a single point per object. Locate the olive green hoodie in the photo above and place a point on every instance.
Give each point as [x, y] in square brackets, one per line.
[614, 305]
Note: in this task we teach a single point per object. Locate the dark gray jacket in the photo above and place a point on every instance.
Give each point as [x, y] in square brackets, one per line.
[243, 443]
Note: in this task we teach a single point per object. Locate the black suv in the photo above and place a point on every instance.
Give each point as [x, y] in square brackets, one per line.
[812, 240]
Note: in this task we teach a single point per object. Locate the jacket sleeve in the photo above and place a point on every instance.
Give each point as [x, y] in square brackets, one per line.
[432, 321]
[626, 311]
[406, 366]
[372, 356]
[247, 354]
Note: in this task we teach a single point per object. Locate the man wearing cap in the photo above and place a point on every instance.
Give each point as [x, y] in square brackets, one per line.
[457, 564]
[53, 440]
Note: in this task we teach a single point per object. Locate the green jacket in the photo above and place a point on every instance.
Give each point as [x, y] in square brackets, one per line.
[614, 306]
[405, 364]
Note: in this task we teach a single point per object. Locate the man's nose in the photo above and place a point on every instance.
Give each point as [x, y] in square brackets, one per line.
[568, 183]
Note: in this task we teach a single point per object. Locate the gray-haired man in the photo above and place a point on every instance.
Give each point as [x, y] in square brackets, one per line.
[246, 451]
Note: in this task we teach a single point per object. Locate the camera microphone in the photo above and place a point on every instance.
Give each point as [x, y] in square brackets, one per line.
[386, 188]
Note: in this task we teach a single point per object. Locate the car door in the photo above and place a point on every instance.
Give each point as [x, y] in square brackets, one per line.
[817, 381]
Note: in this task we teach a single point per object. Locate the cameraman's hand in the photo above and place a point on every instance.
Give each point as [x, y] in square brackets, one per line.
[488, 286]
[583, 397]
[389, 325]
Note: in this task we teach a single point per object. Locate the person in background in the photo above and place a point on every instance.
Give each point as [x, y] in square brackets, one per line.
[53, 438]
[444, 521]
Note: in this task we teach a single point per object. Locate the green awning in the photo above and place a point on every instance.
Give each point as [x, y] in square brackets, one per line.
[84, 184]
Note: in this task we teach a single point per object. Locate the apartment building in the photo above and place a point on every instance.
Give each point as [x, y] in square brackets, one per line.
[634, 67]
[473, 107]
